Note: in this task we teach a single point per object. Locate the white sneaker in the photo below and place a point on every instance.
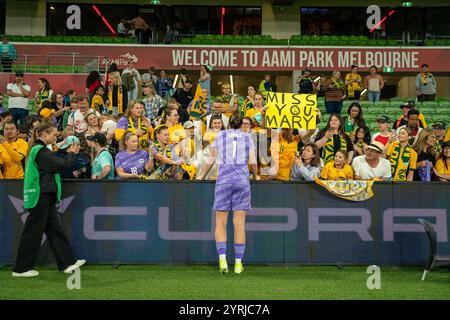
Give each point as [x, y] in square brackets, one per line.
[27, 274]
[76, 265]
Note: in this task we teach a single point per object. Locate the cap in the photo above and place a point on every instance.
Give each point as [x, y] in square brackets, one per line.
[19, 74]
[446, 144]
[148, 85]
[188, 124]
[46, 113]
[377, 146]
[307, 70]
[383, 119]
[438, 125]
[67, 142]
[98, 137]
[406, 105]
[108, 125]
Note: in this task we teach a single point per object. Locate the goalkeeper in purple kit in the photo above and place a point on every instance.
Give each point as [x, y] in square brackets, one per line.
[234, 151]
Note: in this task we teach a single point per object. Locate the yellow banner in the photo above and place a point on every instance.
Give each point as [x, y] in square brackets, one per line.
[291, 110]
[353, 190]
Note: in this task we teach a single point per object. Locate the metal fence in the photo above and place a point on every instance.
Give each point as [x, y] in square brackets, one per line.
[58, 63]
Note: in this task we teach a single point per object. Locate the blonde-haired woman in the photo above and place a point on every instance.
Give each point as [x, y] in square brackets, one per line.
[134, 120]
[426, 158]
[131, 162]
[117, 94]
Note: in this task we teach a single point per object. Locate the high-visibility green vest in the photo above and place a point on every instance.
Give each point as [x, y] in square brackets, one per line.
[31, 186]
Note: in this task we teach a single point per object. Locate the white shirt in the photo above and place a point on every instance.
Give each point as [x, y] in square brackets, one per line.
[225, 120]
[76, 120]
[17, 102]
[366, 172]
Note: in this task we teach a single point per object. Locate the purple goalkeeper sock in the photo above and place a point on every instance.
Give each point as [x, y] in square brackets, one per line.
[221, 248]
[239, 250]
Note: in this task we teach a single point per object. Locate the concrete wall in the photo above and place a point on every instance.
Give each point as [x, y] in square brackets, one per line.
[406, 87]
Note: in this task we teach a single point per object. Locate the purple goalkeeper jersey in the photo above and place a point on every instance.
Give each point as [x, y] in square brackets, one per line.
[132, 163]
[233, 148]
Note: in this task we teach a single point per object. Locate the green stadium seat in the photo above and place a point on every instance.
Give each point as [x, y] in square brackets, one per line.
[16, 38]
[441, 99]
[382, 104]
[392, 110]
[444, 104]
[443, 110]
[430, 104]
[366, 103]
[392, 42]
[427, 110]
[370, 117]
[375, 110]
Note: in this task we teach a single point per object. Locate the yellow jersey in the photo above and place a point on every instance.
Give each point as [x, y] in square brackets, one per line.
[354, 86]
[447, 135]
[402, 160]
[11, 155]
[441, 168]
[285, 151]
[330, 172]
[97, 103]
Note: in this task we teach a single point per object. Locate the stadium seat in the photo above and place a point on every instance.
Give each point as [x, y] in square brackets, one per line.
[400, 100]
[375, 110]
[442, 99]
[366, 103]
[391, 110]
[443, 111]
[370, 118]
[444, 104]
[434, 260]
[428, 106]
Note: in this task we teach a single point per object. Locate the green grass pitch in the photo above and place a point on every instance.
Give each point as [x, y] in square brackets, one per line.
[205, 282]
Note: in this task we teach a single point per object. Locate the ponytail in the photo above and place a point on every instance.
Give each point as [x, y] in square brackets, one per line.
[41, 127]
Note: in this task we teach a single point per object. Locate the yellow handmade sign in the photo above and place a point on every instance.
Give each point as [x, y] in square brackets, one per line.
[291, 110]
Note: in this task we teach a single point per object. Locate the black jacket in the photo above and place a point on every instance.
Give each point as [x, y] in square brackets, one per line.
[81, 161]
[48, 164]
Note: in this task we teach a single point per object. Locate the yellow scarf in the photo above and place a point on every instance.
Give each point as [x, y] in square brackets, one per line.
[168, 154]
[143, 140]
[328, 149]
[41, 97]
[246, 105]
[424, 77]
[119, 99]
[339, 84]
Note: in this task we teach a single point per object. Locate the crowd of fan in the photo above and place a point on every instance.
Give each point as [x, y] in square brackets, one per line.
[130, 126]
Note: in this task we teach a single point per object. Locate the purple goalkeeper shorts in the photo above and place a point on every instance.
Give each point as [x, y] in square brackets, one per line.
[230, 197]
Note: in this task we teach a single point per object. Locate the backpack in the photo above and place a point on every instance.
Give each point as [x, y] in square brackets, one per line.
[128, 81]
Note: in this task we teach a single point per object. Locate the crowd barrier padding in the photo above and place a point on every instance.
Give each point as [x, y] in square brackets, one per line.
[291, 223]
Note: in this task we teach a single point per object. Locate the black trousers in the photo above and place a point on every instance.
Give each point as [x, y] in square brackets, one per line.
[7, 64]
[43, 218]
[426, 97]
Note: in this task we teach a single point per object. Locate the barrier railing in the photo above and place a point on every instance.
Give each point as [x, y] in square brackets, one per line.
[58, 63]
